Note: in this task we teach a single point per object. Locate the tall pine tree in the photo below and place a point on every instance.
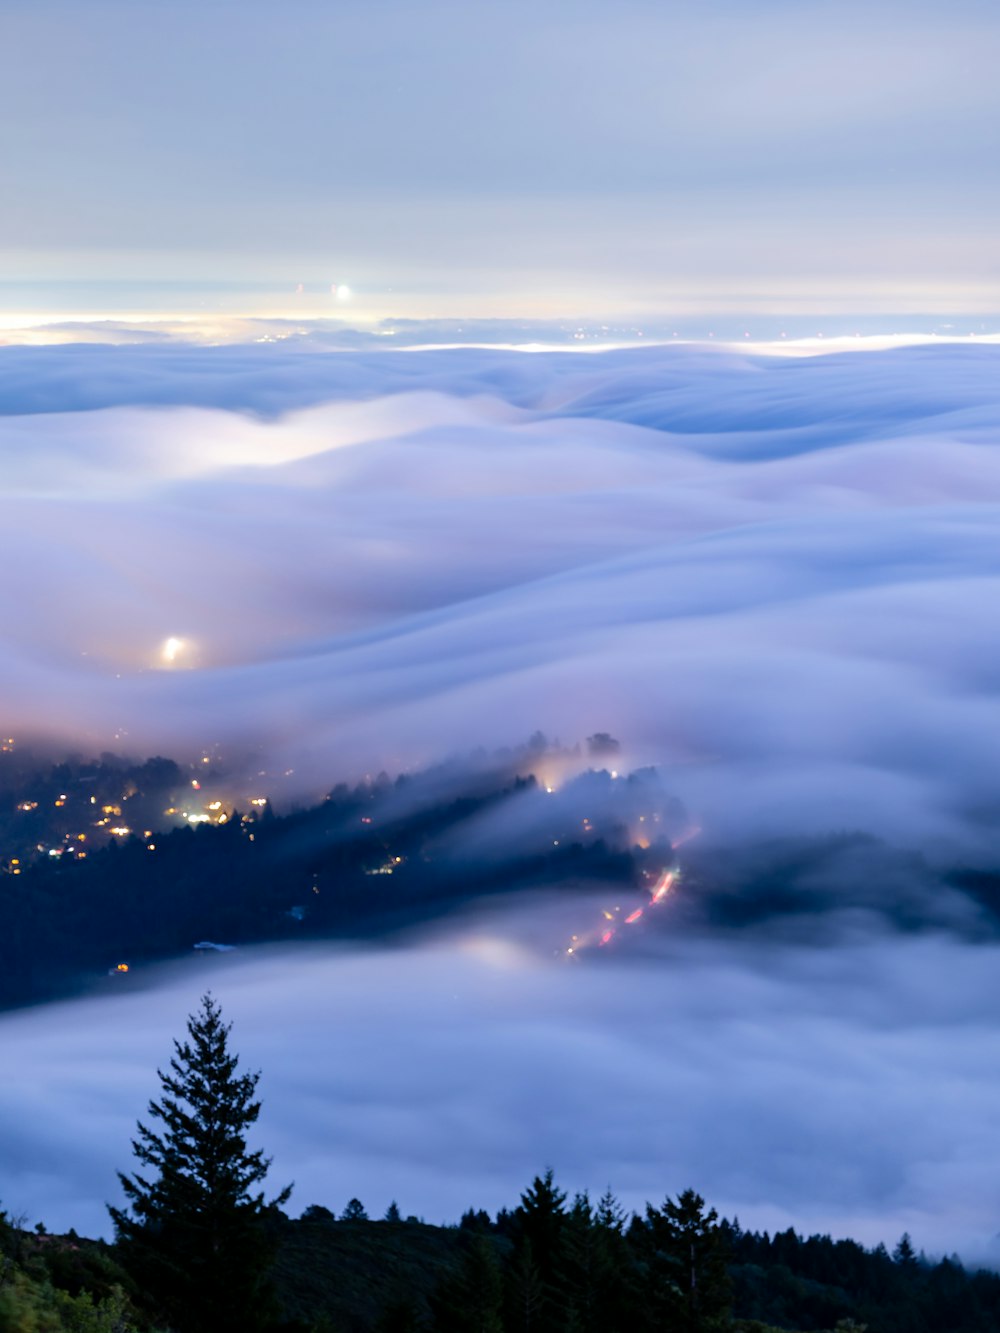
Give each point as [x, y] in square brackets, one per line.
[688, 1283]
[194, 1232]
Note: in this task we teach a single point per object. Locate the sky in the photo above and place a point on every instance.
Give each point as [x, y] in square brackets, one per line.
[554, 160]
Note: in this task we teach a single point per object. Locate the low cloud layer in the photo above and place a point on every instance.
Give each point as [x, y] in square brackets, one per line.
[848, 1090]
[772, 577]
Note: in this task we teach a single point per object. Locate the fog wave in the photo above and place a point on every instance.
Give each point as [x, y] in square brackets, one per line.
[771, 576]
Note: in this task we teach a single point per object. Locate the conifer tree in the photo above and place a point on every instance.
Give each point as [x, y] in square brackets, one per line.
[538, 1264]
[689, 1283]
[525, 1293]
[601, 1279]
[542, 1221]
[194, 1231]
[469, 1299]
[904, 1253]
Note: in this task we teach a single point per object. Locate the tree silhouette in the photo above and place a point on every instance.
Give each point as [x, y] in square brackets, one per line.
[690, 1286]
[904, 1253]
[194, 1233]
[537, 1269]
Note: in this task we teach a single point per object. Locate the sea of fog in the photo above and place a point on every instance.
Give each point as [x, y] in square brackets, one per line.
[773, 577]
[847, 1089]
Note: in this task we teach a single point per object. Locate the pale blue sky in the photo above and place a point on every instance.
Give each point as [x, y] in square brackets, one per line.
[508, 158]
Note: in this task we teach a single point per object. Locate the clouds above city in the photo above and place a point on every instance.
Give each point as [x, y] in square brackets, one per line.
[767, 575]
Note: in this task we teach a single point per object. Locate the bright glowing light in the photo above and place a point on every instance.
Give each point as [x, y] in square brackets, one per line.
[633, 916]
[341, 291]
[664, 886]
[171, 650]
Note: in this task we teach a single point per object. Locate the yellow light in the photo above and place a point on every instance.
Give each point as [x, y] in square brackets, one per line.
[171, 650]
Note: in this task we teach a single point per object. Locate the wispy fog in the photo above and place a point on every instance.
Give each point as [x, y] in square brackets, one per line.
[849, 1090]
[771, 576]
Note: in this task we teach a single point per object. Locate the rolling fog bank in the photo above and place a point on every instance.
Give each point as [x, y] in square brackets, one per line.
[767, 575]
[846, 1090]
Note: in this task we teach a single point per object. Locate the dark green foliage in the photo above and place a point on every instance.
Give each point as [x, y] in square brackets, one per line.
[348, 1275]
[469, 1298]
[365, 1276]
[609, 1214]
[402, 1316]
[602, 1276]
[195, 1234]
[538, 1278]
[687, 1282]
[60, 1284]
[528, 1302]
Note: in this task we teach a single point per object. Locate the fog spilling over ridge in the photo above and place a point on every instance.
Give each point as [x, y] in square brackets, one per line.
[769, 576]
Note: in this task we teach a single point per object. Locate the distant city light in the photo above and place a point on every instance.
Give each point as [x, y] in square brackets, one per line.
[171, 650]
